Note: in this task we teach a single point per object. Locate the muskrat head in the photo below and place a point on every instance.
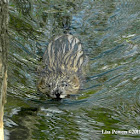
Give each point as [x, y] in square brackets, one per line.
[59, 88]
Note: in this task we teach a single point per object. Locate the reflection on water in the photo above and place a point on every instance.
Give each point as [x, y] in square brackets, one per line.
[109, 99]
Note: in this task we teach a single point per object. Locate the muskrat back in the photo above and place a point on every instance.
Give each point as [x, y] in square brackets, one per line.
[62, 62]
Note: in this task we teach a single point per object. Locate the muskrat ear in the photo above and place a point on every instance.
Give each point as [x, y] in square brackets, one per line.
[41, 81]
[40, 68]
[75, 80]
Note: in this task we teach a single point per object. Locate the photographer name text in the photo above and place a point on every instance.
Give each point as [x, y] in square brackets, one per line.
[121, 132]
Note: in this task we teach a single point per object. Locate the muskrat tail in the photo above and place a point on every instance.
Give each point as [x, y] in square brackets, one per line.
[66, 22]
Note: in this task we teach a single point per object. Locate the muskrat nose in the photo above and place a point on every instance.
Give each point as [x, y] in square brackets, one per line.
[58, 93]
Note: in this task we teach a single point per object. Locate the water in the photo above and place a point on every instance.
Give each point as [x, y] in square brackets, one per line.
[109, 99]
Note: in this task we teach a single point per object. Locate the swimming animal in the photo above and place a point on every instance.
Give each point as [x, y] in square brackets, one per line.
[61, 67]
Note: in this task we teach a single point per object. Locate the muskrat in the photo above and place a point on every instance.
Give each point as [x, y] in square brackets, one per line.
[61, 70]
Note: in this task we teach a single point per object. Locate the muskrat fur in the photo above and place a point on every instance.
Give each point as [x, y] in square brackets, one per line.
[61, 69]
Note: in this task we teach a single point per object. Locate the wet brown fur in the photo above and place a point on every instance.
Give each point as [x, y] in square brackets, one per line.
[61, 67]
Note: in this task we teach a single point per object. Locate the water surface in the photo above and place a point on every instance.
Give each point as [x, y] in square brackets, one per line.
[109, 99]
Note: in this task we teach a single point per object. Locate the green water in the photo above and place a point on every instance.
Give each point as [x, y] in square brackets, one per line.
[110, 96]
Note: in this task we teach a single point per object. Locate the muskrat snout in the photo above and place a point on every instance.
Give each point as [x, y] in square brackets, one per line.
[57, 93]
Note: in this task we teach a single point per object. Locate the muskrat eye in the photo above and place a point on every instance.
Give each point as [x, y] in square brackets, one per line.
[49, 85]
[64, 84]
